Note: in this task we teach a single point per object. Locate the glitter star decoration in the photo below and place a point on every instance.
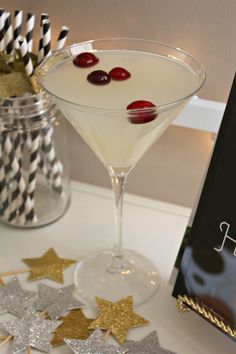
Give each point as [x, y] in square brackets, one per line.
[48, 266]
[148, 345]
[117, 317]
[14, 299]
[30, 331]
[56, 301]
[95, 344]
[74, 326]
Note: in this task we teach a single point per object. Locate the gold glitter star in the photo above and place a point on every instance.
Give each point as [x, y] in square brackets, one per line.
[48, 266]
[117, 317]
[75, 326]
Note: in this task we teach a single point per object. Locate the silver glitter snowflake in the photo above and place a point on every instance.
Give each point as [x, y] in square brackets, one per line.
[148, 345]
[14, 299]
[31, 331]
[95, 344]
[56, 301]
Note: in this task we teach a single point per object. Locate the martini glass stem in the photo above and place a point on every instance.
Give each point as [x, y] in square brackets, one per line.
[118, 180]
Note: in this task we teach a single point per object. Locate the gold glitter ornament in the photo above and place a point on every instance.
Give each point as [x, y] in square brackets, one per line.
[74, 326]
[48, 266]
[18, 64]
[4, 67]
[14, 84]
[117, 317]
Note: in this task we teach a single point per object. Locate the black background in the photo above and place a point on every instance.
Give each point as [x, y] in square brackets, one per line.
[218, 199]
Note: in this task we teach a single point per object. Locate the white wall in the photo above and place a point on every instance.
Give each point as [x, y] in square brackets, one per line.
[205, 28]
[172, 169]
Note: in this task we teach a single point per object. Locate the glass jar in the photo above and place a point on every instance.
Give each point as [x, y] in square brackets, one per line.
[34, 174]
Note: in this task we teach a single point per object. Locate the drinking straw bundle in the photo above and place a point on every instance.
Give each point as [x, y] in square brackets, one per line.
[17, 188]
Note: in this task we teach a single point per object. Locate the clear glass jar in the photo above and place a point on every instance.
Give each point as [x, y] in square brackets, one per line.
[34, 171]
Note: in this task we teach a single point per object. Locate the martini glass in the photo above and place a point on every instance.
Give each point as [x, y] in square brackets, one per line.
[161, 74]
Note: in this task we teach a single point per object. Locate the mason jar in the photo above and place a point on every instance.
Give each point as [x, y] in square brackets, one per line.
[34, 171]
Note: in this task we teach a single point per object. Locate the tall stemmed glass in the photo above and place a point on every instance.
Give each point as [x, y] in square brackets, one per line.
[166, 76]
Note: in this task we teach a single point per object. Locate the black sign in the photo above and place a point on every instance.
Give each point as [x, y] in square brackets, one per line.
[207, 270]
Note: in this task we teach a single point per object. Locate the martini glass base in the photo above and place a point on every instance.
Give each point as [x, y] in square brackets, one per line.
[95, 276]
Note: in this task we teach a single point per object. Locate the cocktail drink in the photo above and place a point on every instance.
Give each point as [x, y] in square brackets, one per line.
[120, 95]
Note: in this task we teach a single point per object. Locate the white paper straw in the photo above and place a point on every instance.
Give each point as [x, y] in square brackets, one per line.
[2, 30]
[53, 163]
[26, 210]
[29, 31]
[16, 197]
[46, 38]
[44, 16]
[3, 185]
[9, 37]
[17, 27]
[62, 37]
[29, 69]
[34, 157]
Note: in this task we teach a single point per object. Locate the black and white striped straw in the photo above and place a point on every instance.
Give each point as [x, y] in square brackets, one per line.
[34, 158]
[4, 207]
[9, 37]
[62, 37]
[44, 16]
[29, 31]
[16, 196]
[55, 165]
[2, 30]
[29, 69]
[17, 27]
[46, 38]
[26, 210]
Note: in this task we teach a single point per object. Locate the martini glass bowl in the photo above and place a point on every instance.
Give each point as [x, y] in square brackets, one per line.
[119, 137]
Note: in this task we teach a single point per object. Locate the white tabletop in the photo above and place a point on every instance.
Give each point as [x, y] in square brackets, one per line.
[152, 228]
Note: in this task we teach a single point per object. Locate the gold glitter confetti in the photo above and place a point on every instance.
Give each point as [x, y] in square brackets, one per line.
[75, 326]
[117, 317]
[35, 84]
[14, 84]
[48, 266]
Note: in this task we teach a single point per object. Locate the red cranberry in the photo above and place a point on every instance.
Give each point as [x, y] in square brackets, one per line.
[142, 117]
[119, 74]
[99, 77]
[85, 60]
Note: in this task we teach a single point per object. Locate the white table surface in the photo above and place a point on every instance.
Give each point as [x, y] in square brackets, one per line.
[150, 227]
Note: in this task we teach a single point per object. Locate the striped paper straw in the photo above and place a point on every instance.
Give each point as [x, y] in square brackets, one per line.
[34, 158]
[62, 37]
[2, 30]
[55, 165]
[41, 162]
[29, 31]
[26, 210]
[46, 38]
[44, 168]
[29, 69]
[17, 27]
[4, 201]
[9, 37]
[44, 16]
[15, 194]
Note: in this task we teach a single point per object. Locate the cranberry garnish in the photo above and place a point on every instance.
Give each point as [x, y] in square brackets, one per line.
[85, 60]
[99, 77]
[142, 117]
[119, 74]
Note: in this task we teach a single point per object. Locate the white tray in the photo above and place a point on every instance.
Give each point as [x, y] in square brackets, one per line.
[150, 227]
